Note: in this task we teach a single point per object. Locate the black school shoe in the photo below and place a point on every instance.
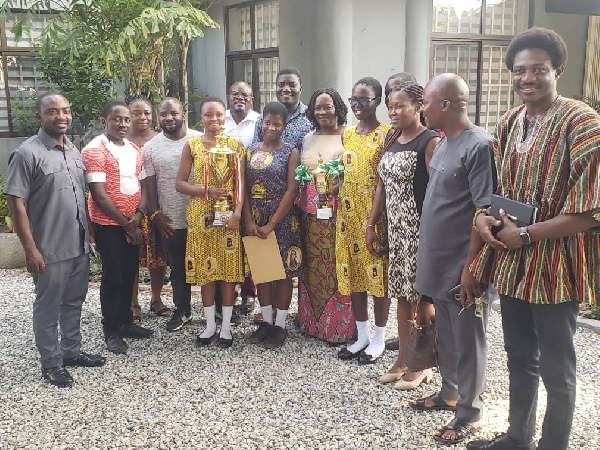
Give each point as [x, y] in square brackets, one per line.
[346, 355]
[261, 333]
[276, 337]
[58, 376]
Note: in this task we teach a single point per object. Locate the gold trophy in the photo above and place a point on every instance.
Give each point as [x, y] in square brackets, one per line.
[322, 184]
[223, 163]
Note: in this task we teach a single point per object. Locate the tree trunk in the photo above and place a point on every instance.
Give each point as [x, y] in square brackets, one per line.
[183, 78]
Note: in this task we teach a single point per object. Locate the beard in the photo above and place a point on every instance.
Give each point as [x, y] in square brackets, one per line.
[178, 126]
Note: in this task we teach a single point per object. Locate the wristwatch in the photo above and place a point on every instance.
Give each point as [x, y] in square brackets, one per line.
[525, 237]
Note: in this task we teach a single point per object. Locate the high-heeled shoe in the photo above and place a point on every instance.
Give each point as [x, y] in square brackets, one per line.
[388, 377]
[403, 385]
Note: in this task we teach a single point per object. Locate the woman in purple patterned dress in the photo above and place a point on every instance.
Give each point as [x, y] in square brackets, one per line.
[270, 192]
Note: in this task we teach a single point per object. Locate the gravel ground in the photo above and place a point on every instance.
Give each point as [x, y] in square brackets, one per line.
[167, 393]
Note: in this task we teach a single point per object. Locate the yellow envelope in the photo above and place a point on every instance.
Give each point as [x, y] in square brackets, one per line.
[264, 258]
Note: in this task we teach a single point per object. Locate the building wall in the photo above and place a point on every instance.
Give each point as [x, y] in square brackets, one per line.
[7, 145]
[332, 42]
[573, 29]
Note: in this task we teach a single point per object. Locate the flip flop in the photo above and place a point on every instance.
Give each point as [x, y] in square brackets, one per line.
[136, 310]
[463, 431]
[438, 404]
[162, 312]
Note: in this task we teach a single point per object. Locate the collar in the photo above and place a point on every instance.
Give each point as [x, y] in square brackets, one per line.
[51, 143]
[250, 117]
[300, 111]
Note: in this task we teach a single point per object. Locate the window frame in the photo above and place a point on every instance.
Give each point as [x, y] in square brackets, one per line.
[6, 51]
[253, 54]
[480, 39]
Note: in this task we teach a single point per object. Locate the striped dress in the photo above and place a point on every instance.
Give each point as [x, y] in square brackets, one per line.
[559, 173]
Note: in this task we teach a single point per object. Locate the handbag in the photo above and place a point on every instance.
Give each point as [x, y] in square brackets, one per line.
[420, 349]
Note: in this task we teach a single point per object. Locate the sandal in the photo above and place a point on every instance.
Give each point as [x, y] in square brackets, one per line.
[160, 312]
[136, 310]
[439, 404]
[462, 429]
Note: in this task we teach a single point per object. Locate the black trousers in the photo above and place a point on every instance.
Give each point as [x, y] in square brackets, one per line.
[119, 267]
[174, 245]
[539, 342]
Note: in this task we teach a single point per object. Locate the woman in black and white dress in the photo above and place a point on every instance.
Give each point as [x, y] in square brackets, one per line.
[403, 172]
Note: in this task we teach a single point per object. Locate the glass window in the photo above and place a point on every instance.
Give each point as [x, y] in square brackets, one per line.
[253, 47]
[266, 16]
[19, 73]
[267, 73]
[473, 45]
[239, 30]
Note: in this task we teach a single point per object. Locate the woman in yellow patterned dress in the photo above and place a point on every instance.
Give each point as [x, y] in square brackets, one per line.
[213, 254]
[358, 271]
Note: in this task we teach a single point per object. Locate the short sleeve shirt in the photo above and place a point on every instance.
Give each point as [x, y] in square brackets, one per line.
[51, 179]
[120, 168]
[297, 127]
[161, 158]
[461, 174]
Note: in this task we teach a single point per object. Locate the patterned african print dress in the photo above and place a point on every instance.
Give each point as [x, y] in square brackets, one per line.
[403, 171]
[266, 181]
[322, 311]
[212, 253]
[357, 269]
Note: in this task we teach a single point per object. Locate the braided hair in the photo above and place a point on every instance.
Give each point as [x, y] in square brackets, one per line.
[341, 110]
[414, 92]
[134, 98]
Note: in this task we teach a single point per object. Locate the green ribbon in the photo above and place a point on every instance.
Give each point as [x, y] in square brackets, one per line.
[333, 168]
[303, 176]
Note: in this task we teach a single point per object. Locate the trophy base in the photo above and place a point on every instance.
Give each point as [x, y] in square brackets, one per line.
[221, 217]
[324, 213]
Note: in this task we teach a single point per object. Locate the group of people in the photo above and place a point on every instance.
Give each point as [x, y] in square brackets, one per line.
[411, 221]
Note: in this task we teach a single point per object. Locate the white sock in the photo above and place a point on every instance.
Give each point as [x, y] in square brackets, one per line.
[364, 337]
[377, 345]
[280, 318]
[267, 313]
[211, 324]
[226, 324]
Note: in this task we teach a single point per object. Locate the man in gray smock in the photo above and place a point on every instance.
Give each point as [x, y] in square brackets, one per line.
[460, 181]
[46, 197]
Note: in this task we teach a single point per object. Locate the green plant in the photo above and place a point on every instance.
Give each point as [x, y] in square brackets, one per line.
[4, 212]
[590, 311]
[23, 112]
[594, 103]
[128, 40]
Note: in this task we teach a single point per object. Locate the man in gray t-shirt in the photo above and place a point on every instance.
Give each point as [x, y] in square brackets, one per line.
[460, 181]
[166, 206]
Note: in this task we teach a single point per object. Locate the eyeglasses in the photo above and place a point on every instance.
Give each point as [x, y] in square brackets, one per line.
[363, 101]
[245, 96]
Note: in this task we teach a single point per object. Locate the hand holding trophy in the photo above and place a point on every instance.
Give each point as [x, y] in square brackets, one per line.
[321, 177]
[223, 163]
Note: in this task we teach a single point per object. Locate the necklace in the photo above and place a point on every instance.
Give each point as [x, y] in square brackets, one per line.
[529, 132]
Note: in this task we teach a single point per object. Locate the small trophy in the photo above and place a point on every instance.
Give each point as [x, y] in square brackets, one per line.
[322, 184]
[223, 163]
[321, 177]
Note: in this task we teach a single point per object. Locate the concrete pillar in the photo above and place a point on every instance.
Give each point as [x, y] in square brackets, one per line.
[418, 25]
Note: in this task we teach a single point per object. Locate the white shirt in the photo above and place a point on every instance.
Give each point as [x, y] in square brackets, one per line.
[244, 131]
